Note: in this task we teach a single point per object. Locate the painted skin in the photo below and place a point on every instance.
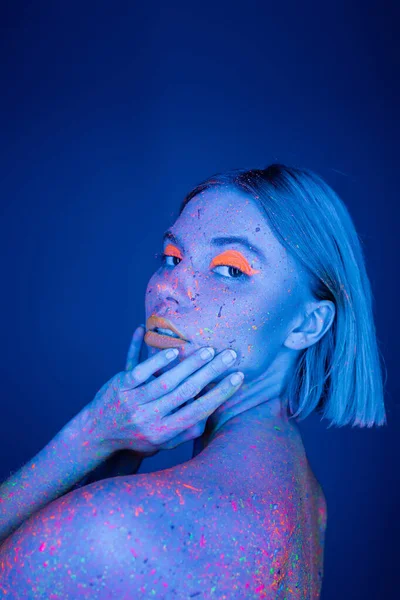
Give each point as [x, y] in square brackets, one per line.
[246, 517]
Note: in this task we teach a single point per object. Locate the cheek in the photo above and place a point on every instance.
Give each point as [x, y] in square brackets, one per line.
[152, 294]
[257, 326]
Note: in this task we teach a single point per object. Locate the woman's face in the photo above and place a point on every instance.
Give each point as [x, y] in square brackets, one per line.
[226, 294]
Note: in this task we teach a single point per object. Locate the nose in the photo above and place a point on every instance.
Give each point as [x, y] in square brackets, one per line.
[179, 285]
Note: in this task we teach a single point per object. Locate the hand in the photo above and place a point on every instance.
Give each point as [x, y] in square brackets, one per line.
[133, 409]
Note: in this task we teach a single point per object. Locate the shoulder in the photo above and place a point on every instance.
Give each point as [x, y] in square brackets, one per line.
[107, 534]
[171, 531]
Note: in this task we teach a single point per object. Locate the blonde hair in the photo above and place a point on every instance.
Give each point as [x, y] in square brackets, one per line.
[340, 376]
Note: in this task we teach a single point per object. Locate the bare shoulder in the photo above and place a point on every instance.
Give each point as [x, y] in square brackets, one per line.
[182, 531]
[92, 539]
[112, 534]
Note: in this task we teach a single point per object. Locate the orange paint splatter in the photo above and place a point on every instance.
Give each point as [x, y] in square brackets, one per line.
[181, 500]
[190, 487]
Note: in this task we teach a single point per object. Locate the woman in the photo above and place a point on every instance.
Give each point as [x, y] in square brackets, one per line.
[263, 262]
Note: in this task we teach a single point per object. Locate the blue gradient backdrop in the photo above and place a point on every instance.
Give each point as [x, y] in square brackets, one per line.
[111, 113]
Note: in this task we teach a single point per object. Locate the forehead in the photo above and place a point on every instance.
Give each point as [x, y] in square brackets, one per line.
[224, 212]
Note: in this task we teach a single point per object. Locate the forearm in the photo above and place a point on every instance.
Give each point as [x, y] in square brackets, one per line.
[123, 462]
[63, 462]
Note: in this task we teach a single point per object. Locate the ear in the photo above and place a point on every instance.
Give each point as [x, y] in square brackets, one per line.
[316, 322]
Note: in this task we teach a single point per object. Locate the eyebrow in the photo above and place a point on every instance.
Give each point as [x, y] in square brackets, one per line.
[221, 241]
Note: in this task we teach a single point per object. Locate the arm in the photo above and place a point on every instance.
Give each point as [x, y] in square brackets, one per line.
[122, 462]
[126, 413]
[63, 462]
[67, 462]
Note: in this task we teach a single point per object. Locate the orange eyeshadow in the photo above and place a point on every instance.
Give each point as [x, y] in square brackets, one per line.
[172, 251]
[233, 258]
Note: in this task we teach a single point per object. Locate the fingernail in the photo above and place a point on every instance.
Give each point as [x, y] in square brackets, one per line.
[172, 353]
[228, 357]
[207, 353]
[236, 378]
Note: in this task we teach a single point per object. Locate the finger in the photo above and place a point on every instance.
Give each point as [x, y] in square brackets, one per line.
[141, 372]
[189, 434]
[204, 406]
[175, 376]
[193, 383]
[134, 349]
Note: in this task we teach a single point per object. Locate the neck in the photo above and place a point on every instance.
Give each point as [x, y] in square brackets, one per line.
[260, 403]
[251, 426]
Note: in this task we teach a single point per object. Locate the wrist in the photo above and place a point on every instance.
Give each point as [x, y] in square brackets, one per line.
[78, 435]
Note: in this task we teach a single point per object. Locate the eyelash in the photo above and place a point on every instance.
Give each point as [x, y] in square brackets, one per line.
[241, 276]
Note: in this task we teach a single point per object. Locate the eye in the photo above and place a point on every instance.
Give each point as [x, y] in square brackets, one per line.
[233, 272]
[164, 260]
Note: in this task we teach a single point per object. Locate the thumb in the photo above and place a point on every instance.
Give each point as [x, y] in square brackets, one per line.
[132, 358]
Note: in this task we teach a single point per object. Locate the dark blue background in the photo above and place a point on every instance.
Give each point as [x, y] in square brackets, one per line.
[111, 113]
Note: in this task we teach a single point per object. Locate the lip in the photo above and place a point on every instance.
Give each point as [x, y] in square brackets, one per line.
[157, 339]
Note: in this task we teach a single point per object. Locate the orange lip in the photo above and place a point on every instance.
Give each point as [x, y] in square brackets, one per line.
[153, 321]
[158, 340]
